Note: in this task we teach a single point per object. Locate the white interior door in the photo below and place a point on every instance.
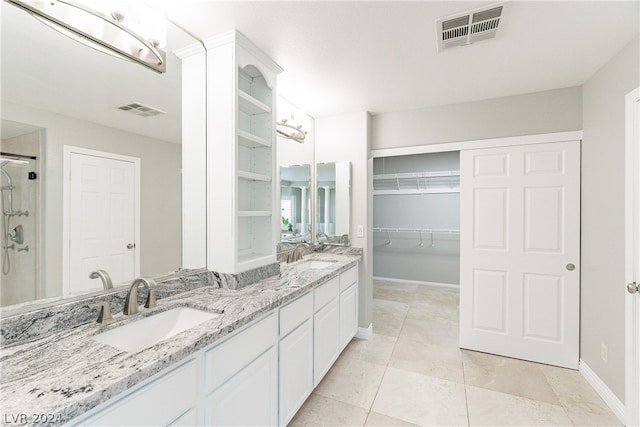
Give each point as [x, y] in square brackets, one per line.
[102, 220]
[519, 251]
[632, 258]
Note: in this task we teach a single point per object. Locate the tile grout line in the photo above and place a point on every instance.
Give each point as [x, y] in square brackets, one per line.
[386, 366]
[464, 380]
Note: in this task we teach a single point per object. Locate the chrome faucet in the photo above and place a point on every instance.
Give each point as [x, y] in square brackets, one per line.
[131, 301]
[104, 276]
[296, 253]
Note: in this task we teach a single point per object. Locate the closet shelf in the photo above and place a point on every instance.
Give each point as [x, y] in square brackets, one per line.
[252, 141]
[417, 183]
[251, 105]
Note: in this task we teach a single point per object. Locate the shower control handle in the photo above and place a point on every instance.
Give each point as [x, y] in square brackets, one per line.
[131, 245]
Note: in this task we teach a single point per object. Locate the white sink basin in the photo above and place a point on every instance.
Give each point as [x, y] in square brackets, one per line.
[147, 332]
[314, 264]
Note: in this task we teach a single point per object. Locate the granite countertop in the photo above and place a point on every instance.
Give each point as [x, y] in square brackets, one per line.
[66, 374]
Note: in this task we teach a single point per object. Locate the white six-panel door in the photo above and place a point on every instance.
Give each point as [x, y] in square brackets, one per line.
[101, 220]
[519, 252]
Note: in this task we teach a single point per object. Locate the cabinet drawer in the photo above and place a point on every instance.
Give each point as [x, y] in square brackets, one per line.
[141, 407]
[295, 313]
[348, 278]
[223, 361]
[325, 293]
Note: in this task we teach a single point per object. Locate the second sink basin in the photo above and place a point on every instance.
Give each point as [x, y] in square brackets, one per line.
[314, 264]
[147, 332]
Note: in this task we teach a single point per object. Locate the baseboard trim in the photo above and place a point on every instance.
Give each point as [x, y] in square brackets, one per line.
[417, 282]
[605, 392]
[365, 333]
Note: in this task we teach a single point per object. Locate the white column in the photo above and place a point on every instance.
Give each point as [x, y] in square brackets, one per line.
[327, 209]
[303, 210]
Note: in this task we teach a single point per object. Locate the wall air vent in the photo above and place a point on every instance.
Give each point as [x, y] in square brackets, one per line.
[141, 110]
[466, 28]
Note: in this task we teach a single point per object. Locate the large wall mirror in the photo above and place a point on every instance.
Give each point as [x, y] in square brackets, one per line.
[91, 160]
[295, 203]
[333, 204]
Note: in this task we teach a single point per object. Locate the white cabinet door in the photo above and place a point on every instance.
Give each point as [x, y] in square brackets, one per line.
[519, 252]
[326, 339]
[249, 398]
[348, 315]
[296, 370]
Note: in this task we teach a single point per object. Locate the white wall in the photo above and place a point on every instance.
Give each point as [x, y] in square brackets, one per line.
[160, 187]
[602, 293]
[347, 137]
[533, 113]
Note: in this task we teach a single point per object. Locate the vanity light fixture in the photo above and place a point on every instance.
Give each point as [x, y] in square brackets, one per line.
[289, 131]
[126, 29]
[292, 127]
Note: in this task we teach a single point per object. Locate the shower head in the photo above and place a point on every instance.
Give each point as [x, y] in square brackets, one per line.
[6, 174]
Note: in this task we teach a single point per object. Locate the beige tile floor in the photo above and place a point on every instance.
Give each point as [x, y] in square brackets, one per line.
[411, 372]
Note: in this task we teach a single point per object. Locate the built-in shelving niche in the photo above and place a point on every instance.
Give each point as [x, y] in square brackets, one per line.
[254, 167]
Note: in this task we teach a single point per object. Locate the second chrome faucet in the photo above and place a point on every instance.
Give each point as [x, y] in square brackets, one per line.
[131, 301]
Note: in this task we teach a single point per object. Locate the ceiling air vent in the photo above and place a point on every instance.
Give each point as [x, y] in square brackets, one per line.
[469, 27]
[141, 110]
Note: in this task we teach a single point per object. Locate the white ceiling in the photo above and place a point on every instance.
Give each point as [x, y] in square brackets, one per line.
[338, 56]
[46, 70]
[381, 56]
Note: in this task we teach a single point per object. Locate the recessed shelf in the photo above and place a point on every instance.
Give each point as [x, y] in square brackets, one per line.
[251, 105]
[250, 258]
[253, 176]
[252, 141]
[254, 213]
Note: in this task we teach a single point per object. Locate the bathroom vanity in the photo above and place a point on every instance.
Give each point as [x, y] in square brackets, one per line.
[254, 363]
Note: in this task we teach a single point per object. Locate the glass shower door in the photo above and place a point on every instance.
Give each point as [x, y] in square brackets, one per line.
[19, 230]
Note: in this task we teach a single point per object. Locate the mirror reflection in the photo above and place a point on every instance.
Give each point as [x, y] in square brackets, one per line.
[333, 204]
[90, 168]
[295, 203]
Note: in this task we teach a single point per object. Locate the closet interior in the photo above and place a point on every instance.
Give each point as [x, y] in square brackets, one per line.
[416, 218]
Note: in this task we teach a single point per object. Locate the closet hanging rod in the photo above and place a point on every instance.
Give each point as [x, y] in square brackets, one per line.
[416, 230]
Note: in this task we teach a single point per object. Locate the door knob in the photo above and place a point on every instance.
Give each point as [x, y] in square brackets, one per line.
[131, 246]
[632, 287]
[571, 267]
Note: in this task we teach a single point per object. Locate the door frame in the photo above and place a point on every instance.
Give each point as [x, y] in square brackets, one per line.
[68, 150]
[632, 258]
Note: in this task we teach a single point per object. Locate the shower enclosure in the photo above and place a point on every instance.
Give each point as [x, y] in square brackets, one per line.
[18, 179]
